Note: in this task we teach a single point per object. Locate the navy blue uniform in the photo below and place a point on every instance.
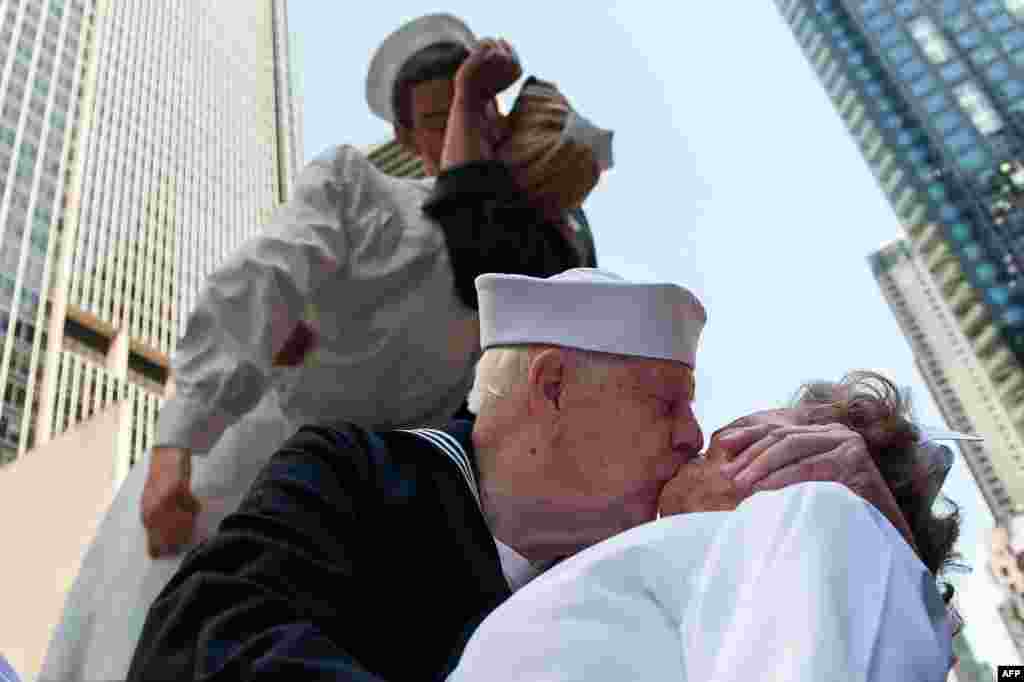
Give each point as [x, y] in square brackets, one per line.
[355, 556]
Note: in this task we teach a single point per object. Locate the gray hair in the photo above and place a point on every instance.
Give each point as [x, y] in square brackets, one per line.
[503, 368]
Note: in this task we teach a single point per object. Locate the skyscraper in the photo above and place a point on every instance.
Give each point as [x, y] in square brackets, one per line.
[956, 377]
[140, 142]
[932, 91]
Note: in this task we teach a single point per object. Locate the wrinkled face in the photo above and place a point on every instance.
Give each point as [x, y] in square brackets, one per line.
[431, 102]
[622, 439]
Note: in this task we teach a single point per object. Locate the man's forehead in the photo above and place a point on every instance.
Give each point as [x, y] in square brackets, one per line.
[664, 374]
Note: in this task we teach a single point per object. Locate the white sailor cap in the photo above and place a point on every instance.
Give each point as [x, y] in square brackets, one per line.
[591, 309]
[398, 47]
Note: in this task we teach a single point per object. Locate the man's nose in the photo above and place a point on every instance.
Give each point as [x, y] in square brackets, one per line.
[687, 437]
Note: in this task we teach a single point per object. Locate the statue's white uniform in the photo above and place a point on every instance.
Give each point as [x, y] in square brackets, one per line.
[355, 258]
[804, 584]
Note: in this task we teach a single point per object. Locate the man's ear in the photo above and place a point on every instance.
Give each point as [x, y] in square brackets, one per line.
[546, 382]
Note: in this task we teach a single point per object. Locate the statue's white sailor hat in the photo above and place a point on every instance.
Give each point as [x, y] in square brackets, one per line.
[398, 47]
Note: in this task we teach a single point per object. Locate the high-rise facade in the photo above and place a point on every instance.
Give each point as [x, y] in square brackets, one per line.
[957, 378]
[932, 91]
[967, 395]
[140, 142]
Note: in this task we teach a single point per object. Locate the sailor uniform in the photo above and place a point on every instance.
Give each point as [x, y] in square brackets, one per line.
[355, 556]
[374, 267]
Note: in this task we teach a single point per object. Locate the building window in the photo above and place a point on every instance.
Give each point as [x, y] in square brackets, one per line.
[999, 71]
[960, 231]
[879, 22]
[1000, 22]
[890, 36]
[1013, 90]
[1013, 41]
[977, 107]
[912, 69]
[998, 295]
[931, 42]
[952, 72]
[891, 122]
[922, 86]
[968, 39]
[950, 6]
[961, 138]
[947, 121]
[905, 8]
[900, 53]
[935, 103]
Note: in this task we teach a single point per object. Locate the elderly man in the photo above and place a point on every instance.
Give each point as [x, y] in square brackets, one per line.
[352, 545]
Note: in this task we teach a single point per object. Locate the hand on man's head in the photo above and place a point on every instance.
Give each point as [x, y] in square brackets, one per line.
[770, 457]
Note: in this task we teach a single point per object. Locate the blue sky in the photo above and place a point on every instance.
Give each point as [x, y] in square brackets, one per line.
[734, 177]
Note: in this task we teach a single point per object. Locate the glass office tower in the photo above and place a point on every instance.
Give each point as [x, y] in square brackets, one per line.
[140, 142]
[932, 91]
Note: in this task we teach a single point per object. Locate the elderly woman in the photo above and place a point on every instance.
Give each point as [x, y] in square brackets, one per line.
[386, 268]
[808, 582]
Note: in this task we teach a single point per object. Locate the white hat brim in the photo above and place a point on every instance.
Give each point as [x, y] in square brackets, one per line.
[398, 47]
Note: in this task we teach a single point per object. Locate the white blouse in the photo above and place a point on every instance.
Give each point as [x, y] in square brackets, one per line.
[803, 584]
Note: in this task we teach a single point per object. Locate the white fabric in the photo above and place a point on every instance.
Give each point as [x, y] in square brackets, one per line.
[398, 47]
[354, 256]
[804, 584]
[396, 348]
[591, 309]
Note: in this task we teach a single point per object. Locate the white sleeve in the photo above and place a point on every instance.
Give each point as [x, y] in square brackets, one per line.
[251, 304]
[812, 583]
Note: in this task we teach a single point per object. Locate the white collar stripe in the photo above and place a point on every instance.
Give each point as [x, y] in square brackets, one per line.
[456, 454]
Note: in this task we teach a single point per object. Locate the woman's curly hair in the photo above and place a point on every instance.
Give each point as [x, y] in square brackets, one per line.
[872, 406]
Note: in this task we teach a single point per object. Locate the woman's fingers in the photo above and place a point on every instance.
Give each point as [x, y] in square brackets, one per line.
[782, 447]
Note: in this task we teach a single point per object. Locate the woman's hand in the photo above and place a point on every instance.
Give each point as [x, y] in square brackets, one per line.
[700, 486]
[771, 458]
